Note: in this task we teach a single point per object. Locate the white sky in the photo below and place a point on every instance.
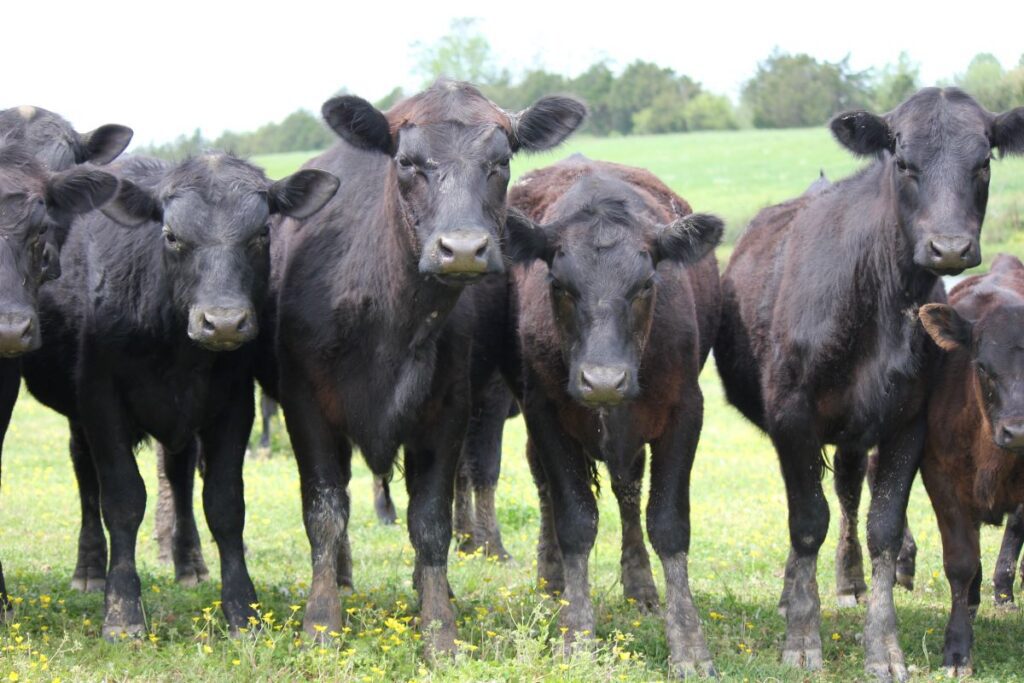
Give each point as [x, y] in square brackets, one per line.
[168, 68]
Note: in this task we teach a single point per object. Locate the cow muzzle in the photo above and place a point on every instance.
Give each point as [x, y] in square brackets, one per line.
[949, 254]
[19, 333]
[602, 386]
[461, 256]
[1009, 434]
[221, 328]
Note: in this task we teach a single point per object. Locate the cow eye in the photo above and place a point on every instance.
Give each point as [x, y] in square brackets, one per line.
[901, 165]
[405, 162]
[170, 238]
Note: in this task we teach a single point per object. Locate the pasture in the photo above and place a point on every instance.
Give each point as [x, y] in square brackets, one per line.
[740, 540]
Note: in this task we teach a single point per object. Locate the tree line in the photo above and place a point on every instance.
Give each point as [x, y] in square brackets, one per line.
[785, 91]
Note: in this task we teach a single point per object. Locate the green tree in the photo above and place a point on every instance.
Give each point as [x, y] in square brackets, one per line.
[708, 111]
[985, 81]
[391, 99]
[594, 86]
[464, 54]
[638, 86]
[895, 83]
[797, 90]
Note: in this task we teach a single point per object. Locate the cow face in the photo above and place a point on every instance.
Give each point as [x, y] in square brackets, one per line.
[57, 144]
[602, 261]
[36, 210]
[450, 149]
[212, 215]
[997, 359]
[937, 147]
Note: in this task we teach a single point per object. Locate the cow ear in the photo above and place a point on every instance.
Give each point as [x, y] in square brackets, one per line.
[548, 122]
[133, 206]
[863, 133]
[527, 241]
[1008, 132]
[359, 123]
[302, 194]
[79, 190]
[945, 326]
[106, 143]
[688, 239]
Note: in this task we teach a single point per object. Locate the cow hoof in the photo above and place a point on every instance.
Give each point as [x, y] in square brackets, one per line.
[807, 657]
[115, 633]
[645, 598]
[847, 601]
[694, 669]
[1006, 605]
[192, 578]
[87, 584]
[905, 580]
[888, 667]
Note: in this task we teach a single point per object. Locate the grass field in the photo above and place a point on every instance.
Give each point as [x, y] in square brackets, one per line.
[740, 540]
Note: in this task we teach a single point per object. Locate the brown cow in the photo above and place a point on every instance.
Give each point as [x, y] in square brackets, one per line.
[616, 316]
[973, 466]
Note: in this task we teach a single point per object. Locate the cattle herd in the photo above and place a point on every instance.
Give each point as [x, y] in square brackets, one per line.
[396, 293]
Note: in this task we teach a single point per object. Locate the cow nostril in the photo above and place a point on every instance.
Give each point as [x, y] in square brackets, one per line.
[620, 384]
[208, 325]
[585, 381]
[243, 323]
[936, 252]
[963, 252]
[482, 250]
[445, 248]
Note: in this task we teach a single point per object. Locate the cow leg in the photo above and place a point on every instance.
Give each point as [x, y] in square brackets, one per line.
[344, 563]
[324, 492]
[179, 469]
[668, 525]
[635, 563]
[164, 523]
[122, 499]
[550, 576]
[268, 409]
[222, 444]
[481, 456]
[569, 477]
[898, 460]
[10, 383]
[382, 502]
[91, 569]
[961, 557]
[1006, 565]
[431, 459]
[906, 560]
[464, 517]
[850, 468]
[801, 462]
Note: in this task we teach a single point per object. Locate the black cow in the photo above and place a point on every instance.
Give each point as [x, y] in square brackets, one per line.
[820, 342]
[37, 207]
[616, 315]
[58, 146]
[141, 333]
[374, 325]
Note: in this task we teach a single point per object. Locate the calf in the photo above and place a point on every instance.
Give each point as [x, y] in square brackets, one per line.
[820, 343]
[616, 314]
[146, 333]
[374, 314]
[37, 207]
[973, 465]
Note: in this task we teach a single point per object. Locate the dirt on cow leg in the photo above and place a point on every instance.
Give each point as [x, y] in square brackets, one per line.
[550, 573]
[906, 561]
[486, 528]
[344, 570]
[803, 613]
[883, 655]
[164, 527]
[463, 519]
[578, 616]
[437, 616]
[688, 650]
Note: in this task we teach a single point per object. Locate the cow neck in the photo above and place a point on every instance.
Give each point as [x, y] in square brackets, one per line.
[903, 286]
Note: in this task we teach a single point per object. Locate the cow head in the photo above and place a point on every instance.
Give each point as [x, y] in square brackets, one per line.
[212, 214]
[937, 147]
[450, 149]
[36, 210]
[57, 144]
[602, 253]
[997, 358]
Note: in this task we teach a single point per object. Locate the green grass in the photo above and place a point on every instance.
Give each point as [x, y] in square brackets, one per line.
[740, 540]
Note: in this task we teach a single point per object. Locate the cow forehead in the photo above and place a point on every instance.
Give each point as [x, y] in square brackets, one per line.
[454, 138]
[1001, 330]
[604, 254]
